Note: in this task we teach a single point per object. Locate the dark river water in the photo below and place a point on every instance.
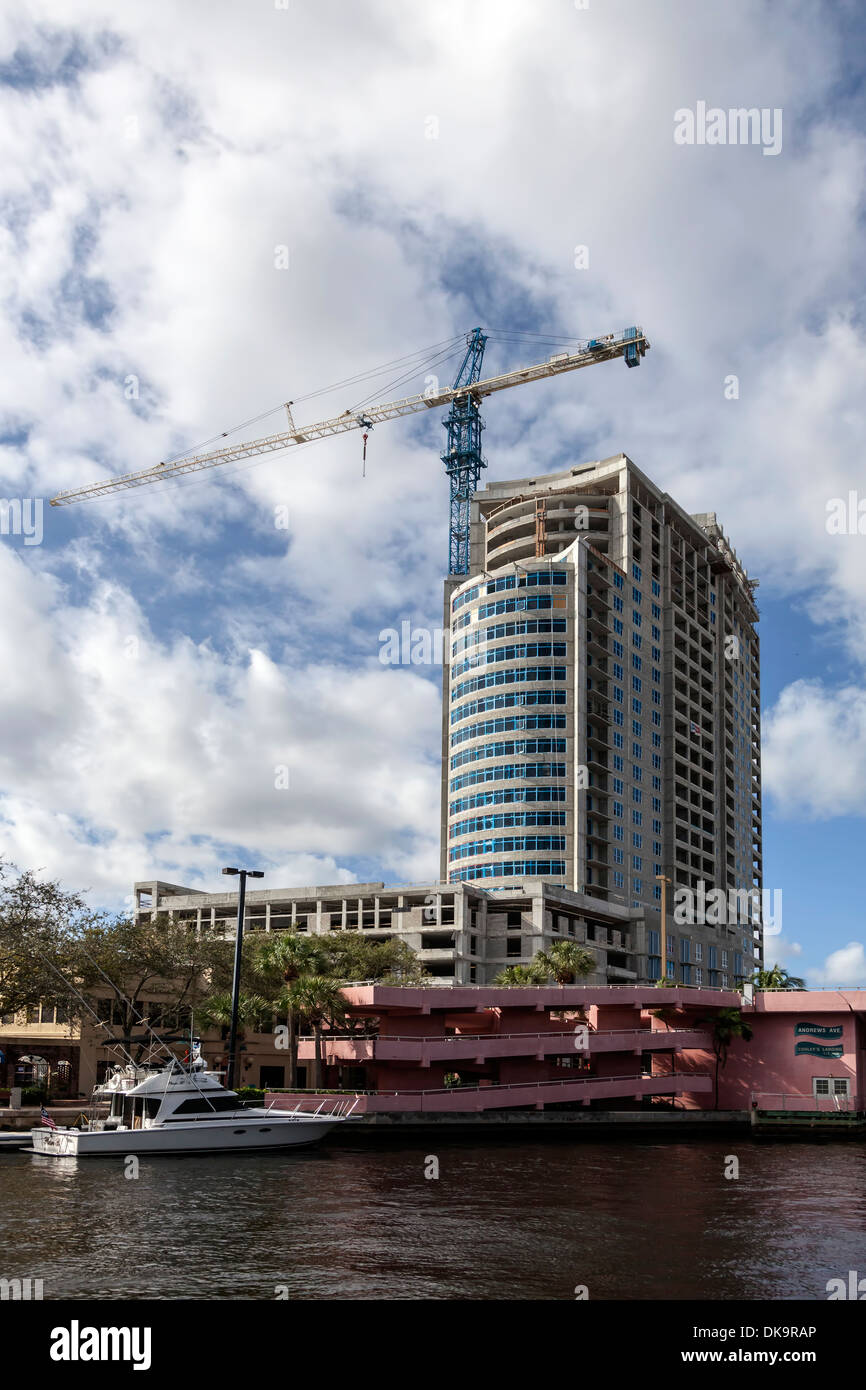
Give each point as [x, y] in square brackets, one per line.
[504, 1220]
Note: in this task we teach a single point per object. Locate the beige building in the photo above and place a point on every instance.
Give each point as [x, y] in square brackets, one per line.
[601, 708]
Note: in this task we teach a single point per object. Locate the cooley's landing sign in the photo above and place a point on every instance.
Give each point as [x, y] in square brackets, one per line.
[820, 1040]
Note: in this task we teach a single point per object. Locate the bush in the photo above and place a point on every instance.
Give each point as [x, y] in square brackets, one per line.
[34, 1095]
[250, 1093]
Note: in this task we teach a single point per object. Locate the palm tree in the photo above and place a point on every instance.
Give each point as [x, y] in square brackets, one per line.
[316, 1000]
[566, 962]
[777, 978]
[726, 1025]
[216, 1011]
[521, 975]
[292, 956]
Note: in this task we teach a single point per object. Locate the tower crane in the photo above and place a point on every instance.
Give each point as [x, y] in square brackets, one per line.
[462, 458]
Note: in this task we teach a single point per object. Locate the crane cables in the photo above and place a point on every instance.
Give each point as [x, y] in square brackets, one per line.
[422, 360]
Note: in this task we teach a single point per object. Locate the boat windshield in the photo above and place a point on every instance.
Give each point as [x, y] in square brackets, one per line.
[205, 1105]
[138, 1108]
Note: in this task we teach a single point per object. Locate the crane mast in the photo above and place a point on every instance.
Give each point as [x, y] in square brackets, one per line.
[463, 459]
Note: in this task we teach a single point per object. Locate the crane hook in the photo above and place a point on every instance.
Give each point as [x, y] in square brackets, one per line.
[366, 426]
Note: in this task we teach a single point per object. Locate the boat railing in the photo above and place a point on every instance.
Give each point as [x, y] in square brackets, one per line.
[340, 1107]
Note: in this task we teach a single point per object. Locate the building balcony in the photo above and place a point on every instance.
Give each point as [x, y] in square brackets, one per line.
[482, 1047]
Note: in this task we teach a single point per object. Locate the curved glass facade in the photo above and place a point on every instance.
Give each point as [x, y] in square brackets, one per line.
[525, 663]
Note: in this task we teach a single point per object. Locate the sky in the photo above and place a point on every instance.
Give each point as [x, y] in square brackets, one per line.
[207, 210]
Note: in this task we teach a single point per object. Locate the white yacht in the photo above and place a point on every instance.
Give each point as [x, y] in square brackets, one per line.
[185, 1110]
[122, 1078]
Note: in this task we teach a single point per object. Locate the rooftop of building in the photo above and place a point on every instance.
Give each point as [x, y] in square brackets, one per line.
[703, 527]
[174, 895]
[422, 999]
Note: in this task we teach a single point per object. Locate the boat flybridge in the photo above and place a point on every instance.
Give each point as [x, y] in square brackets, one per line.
[185, 1109]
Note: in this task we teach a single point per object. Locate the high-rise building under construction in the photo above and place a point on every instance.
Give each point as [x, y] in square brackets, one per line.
[601, 709]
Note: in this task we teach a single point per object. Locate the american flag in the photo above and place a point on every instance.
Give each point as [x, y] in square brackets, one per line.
[46, 1118]
[694, 728]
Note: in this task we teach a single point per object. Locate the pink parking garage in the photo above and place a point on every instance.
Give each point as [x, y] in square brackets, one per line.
[470, 1050]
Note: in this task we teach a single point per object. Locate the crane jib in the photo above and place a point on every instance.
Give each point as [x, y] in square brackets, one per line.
[631, 345]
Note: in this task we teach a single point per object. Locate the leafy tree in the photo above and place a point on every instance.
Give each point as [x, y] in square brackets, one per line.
[520, 976]
[39, 922]
[316, 1000]
[566, 962]
[777, 978]
[289, 956]
[725, 1025]
[354, 956]
[128, 962]
[216, 1011]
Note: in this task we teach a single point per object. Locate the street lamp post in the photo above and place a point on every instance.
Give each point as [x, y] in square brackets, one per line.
[664, 881]
[242, 875]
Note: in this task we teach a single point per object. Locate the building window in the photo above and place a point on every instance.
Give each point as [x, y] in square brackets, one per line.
[513, 944]
[830, 1086]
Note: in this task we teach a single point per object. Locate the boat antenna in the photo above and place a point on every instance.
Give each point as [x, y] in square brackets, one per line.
[100, 1022]
[173, 1061]
[139, 1017]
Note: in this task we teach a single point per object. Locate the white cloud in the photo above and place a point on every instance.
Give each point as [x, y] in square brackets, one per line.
[123, 737]
[203, 144]
[814, 751]
[842, 969]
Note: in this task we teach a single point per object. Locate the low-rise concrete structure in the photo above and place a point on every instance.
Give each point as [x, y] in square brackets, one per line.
[462, 934]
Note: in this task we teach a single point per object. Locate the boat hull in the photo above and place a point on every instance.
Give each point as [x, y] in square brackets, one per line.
[221, 1137]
